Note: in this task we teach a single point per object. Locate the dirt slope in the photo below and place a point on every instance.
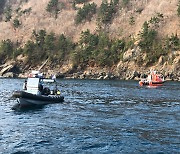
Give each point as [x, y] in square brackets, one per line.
[39, 18]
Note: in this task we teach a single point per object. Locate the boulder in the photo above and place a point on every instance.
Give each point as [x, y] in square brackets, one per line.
[82, 76]
[22, 75]
[100, 77]
[143, 75]
[135, 74]
[9, 75]
[136, 78]
[161, 60]
[128, 55]
[132, 53]
[6, 69]
[60, 75]
[106, 77]
[10, 66]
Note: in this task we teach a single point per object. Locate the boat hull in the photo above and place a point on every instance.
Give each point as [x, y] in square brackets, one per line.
[147, 83]
[25, 99]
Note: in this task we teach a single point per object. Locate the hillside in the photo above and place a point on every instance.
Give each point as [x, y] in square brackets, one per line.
[126, 24]
[39, 18]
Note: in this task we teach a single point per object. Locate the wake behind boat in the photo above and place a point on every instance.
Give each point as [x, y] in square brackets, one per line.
[36, 92]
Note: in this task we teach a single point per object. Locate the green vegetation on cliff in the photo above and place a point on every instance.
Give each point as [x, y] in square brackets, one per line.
[16, 23]
[54, 6]
[56, 48]
[80, 1]
[85, 13]
[178, 10]
[8, 14]
[2, 5]
[98, 49]
[92, 49]
[107, 11]
[113, 26]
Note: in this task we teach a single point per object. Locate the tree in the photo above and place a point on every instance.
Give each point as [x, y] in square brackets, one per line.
[29, 48]
[16, 23]
[80, 1]
[2, 4]
[40, 37]
[117, 49]
[49, 42]
[156, 19]
[54, 6]
[8, 14]
[125, 2]
[65, 44]
[86, 12]
[107, 10]
[173, 42]
[6, 48]
[17, 52]
[88, 39]
[88, 44]
[178, 9]
[103, 40]
[147, 37]
[132, 20]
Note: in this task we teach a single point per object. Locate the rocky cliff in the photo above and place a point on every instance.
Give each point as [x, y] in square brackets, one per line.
[126, 24]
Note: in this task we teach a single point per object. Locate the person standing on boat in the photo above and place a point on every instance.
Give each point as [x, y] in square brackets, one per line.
[25, 85]
[40, 87]
[54, 77]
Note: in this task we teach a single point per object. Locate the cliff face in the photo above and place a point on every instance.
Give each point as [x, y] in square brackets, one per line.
[127, 23]
[39, 18]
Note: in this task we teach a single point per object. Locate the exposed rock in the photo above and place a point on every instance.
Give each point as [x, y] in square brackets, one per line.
[106, 77]
[21, 58]
[60, 75]
[22, 75]
[134, 74]
[143, 75]
[161, 60]
[6, 69]
[9, 66]
[128, 55]
[77, 75]
[100, 78]
[137, 78]
[9, 75]
[82, 76]
[132, 53]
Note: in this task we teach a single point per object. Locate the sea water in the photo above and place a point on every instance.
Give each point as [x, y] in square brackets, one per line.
[97, 116]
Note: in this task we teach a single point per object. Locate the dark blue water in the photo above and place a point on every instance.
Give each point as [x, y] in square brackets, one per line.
[96, 117]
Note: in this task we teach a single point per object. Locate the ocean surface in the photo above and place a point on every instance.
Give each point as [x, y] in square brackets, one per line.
[96, 117]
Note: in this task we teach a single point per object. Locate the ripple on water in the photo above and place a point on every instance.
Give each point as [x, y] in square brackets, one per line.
[96, 117]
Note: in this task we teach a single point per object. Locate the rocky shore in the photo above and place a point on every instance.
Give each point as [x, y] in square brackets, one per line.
[127, 69]
[123, 71]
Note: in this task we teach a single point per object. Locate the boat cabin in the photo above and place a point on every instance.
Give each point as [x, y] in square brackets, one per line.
[35, 82]
[33, 85]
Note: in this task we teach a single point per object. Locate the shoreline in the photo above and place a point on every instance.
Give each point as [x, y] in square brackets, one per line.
[83, 77]
[122, 71]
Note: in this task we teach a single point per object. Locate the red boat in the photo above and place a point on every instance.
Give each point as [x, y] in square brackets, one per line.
[153, 79]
